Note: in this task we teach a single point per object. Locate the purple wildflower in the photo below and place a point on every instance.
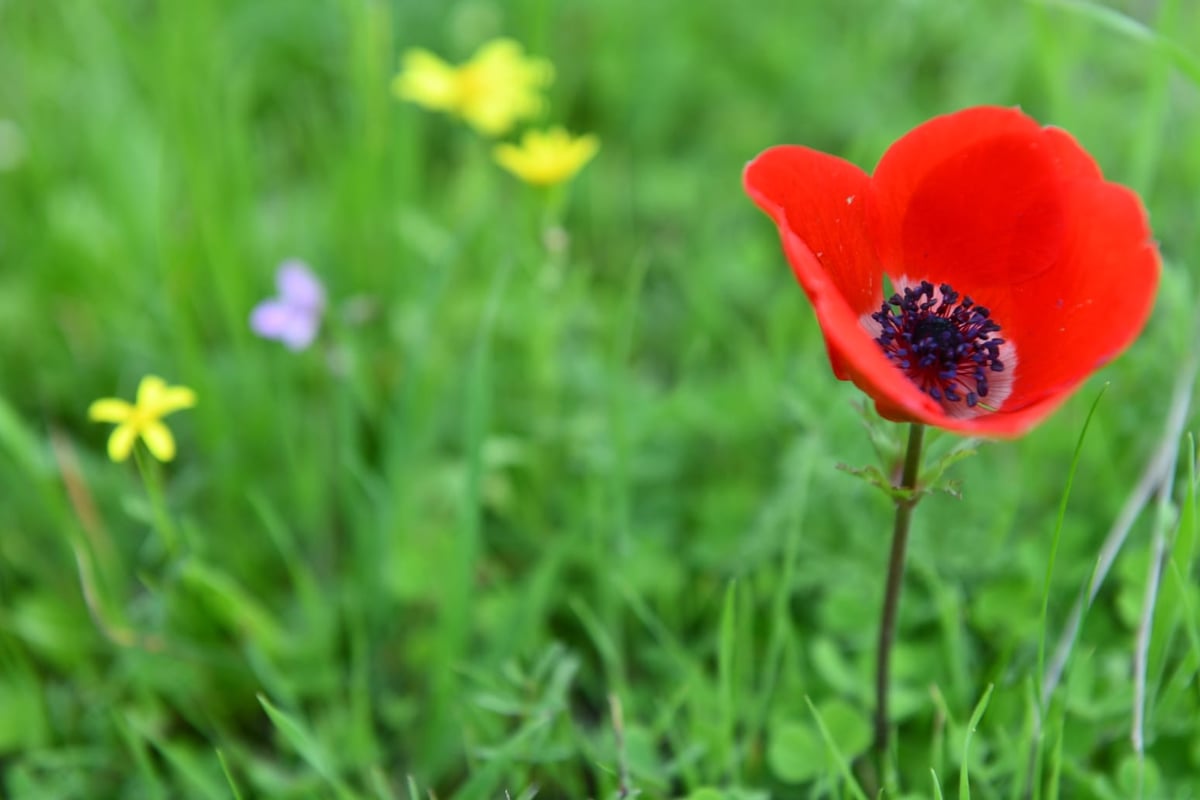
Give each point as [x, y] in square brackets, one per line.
[294, 316]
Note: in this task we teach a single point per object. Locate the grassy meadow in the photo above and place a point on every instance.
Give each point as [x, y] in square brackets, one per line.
[558, 503]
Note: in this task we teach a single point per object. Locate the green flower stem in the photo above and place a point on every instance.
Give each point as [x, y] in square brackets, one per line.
[152, 480]
[554, 204]
[906, 501]
[552, 234]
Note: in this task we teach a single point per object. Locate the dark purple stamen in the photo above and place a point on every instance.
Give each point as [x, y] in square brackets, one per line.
[942, 344]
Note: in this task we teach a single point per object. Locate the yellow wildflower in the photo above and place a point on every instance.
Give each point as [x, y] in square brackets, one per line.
[497, 87]
[143, 418]
[546, 158]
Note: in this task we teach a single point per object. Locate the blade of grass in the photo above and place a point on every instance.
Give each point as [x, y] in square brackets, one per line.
[1145, 628]
[137, 743]
[233, 786]
[843, 766]
[1054, 542]
[194, 772]
[1158, 469]
[1183, 585]
[725, 681]
[937, 744]
[602, 641]
[1113, 20]
[459, 584]
[380, 785]
[1172, 603]
[964, 779]
[307, 747]
[1056, 760]
[1147, 145]
[233, 604]
[1027, 787]
[616, 484]
[1175, 599]
[781, 624]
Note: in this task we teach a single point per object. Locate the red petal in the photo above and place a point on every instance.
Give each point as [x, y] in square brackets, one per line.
[971, 199]
[818, 202]
[1096, 301]
[821, 199]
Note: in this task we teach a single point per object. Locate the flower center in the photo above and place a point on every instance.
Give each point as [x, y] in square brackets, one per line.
[942, 343]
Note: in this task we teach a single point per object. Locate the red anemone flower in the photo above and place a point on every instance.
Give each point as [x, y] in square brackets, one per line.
[1016, 270]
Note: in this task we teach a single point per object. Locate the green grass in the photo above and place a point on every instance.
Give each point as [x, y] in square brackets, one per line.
[510, 484]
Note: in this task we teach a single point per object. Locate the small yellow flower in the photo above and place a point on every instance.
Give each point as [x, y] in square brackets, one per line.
[497, 87]
[144, 418]
[546, 158]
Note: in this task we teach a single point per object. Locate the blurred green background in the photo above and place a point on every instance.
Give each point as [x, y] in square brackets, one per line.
[517, 480]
